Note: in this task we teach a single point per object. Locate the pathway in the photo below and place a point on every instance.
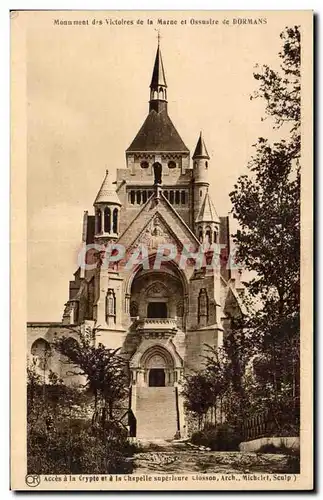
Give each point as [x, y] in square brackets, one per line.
[179, 457]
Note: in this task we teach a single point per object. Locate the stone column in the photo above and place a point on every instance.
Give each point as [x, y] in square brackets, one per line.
[141, 377]
[127, 304]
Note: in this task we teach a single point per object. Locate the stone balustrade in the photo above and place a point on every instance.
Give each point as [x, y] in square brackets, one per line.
[158, 327]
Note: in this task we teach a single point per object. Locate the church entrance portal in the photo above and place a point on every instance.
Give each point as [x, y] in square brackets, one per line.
[157, 310]
[154, 392]
[156, 377]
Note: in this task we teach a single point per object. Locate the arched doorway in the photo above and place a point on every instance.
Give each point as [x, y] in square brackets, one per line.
[156, 395]
[156, 377]
[41, 352]
[158, 366]
[157, 310]
[158, 293]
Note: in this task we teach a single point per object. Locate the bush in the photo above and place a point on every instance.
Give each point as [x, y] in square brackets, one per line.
[293, 460]
[221, 437]
[293, 463]
[62, 438]
[281, 449]
[75, 448]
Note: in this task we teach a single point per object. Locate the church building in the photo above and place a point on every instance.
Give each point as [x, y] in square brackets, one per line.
[161, 311]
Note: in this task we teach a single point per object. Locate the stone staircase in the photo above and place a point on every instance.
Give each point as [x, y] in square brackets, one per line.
[156, 412]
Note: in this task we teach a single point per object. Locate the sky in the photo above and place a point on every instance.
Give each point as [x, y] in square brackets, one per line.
[87, 97]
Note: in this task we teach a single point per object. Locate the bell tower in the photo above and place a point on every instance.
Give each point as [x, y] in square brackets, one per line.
[158, 85]
[206, 220]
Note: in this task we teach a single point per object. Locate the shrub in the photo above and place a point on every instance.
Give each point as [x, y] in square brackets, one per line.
[62, 439]
[75, 448]
[293, 460]
[282, 449]
[221, 437]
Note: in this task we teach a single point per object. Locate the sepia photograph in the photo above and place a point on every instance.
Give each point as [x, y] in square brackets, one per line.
[164, 336]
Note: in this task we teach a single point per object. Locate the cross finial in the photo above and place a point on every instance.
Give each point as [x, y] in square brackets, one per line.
[158, 36]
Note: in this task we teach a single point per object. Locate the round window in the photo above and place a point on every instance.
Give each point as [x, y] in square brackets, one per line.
[144, 164]
[171, 164]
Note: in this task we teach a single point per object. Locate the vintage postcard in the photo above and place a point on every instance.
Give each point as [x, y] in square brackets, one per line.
[161, 239]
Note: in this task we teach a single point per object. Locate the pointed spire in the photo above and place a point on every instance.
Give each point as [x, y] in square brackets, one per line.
[200, 150]
[158, 78]
[158, 85]
[107, 192]
[207, 211]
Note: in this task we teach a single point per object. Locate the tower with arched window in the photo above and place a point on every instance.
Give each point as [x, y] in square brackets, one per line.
[107, 208]
[158, 85]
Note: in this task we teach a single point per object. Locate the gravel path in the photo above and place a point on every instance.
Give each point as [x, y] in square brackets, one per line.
[177, 458]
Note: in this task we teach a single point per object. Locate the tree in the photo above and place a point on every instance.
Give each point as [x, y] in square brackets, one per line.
[266, 204]
[204, 390]
[282, 90]
[104, 369]
[198, 394]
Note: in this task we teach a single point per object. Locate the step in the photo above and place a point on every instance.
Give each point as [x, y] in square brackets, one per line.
[156, 412]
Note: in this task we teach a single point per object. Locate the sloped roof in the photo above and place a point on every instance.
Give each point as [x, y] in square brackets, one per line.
[158, 133]
[200, 150]
[107, 192]
[207, 211]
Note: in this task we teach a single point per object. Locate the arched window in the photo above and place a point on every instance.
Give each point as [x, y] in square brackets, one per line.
[99, 220]
[203, 306]
[206, 164]
[200, 236]
[208, 235]
[201, 192]
[144, 164]
[171, 197]
[138, 195]
[171, 164]
[215, 235]
[90, 299]
[107, 220]
[157, 173]
[183, 197]
[115, 220]
[41, 352]
[177, 195]
[132, 197]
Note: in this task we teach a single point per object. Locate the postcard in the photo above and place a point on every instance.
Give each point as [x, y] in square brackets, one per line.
[162, 244]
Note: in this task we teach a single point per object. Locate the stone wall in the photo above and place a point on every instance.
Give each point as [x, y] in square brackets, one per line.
[288, 442]
[57, 363]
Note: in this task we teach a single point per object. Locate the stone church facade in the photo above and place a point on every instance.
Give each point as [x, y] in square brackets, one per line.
[155, 303]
